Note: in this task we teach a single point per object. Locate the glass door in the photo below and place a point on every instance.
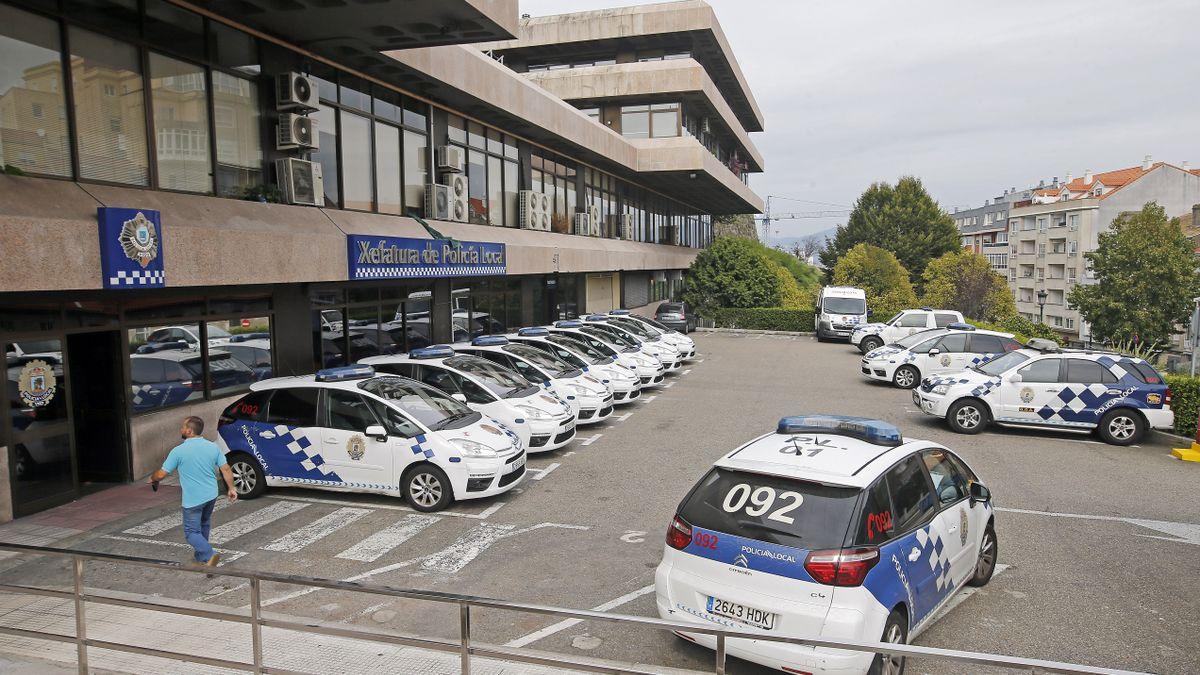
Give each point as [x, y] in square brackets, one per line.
[40, 441]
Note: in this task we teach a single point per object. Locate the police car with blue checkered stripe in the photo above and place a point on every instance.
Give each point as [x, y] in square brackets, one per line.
[651, 328]
[1042, 386]
[831, 526]
[650, 371]
[932, 352]
[655, 346]
[621, 380]
[351, 430]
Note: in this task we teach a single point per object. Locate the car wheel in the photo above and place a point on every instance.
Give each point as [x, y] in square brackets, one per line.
[1121, 427]
[895, 631]
[967, 416]
[870, 344]
[249, 480]
[906, 377]
[986, 564]
[427, 488]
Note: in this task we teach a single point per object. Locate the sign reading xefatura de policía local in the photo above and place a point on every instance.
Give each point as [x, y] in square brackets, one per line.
[131, 252]
[405, 258]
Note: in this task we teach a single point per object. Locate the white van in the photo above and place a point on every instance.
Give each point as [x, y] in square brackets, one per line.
[840, 309]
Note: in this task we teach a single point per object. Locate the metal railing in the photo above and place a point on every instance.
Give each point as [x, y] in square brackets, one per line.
[464, 647]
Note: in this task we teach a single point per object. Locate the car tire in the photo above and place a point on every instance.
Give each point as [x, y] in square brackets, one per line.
[906, 377]
[869, 344]
[426, 488]
[968, 416]
[249, 479]
[985, 565]
[894, 631]
[1121, 426]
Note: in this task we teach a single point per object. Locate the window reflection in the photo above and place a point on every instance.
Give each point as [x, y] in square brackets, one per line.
[239, 147]
[110, 118]
[33, 119]
[180, 124]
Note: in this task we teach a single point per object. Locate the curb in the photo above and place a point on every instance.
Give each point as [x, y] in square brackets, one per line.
[748, 331]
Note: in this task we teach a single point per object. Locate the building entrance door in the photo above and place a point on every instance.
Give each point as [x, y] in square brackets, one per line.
[98, 409]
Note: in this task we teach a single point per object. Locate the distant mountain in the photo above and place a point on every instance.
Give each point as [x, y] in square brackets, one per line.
[787, 243]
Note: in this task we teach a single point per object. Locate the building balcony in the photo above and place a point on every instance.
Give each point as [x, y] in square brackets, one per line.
[686, 170]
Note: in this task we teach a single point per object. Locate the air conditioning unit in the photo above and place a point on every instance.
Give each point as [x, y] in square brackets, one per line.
[296, 132]
[450, 158]
[457, 183]
[626, 227]
[296, 92]
[705, 126]
[437, 201]
[300, 181]
[535, 210]
[594, 214]
[582, 224]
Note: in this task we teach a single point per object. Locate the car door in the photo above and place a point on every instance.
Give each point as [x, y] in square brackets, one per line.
[951, 355]
[288, 443]
[363, 463]
[920, 544]
[951, 488]
[1088, 387]
[907, 324]
[1035, 398]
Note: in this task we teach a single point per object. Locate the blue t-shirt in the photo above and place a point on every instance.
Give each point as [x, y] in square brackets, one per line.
[197, 460]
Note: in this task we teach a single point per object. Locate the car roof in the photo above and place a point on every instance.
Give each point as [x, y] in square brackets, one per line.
[837, 460]
[311, 381]
[844, 291]
[939, 332]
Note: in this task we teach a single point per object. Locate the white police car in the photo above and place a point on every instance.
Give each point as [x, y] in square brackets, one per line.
[352, 430]
[1042, 386]
[685, 344]
[933, 352]
[668, 354]
[590, 398]
[870, 336]
[831, 526]
[629, 353]
[622, 381]
[542, 419]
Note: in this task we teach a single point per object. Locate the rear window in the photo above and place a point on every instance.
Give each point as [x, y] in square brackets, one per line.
[771, 509]
[249, 407]
[941, 319]
[1144, 372]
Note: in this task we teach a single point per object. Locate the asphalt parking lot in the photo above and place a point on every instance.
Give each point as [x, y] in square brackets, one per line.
[1098, 542]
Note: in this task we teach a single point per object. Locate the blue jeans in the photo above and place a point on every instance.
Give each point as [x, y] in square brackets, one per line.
[197, 521]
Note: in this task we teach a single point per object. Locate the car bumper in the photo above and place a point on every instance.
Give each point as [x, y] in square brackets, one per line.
[930, 404]
[826, 330]
[487, 479]
[594, 413]
[1160, 418]
[875, 370]
[551, 435]
[622, 398]
[680, 326]
[655, 381]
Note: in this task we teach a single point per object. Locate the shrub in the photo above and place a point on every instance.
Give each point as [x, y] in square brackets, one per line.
[764, 318]
[791, 296]
[805, 275]
[1185, 400]
[732, 272]
[1022, 329]
[880, 275]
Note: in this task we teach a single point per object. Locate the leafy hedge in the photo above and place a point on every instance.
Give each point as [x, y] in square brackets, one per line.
[1021, 328]
[763, 318]
[1185, 400]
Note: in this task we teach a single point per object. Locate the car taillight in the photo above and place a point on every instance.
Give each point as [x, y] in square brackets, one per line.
[679, 535]
[1167, 397]
[841, 567]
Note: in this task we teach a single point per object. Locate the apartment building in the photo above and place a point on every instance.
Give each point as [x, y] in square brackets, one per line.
[1051, 230]
[212, 192]
[984, 229]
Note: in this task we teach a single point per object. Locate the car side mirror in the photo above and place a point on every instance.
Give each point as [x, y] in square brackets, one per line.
[870, 313]
[377, 432]
[461, 398]
[1015, 378]
[979, 493]
[935, 351]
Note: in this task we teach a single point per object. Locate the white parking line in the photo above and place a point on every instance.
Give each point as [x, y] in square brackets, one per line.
[375, 546]
[649, 398]
[1184, 533]
[965, 593]
[686, 371]
[252, 521]
[624, 417]
[227, 555]
[567, 623]
[542, 473]
[315, 531]
[668, 385]
[157, 526]
[589, 441]
[483, 515]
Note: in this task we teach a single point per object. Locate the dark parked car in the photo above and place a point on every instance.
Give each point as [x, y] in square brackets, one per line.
[675, 315]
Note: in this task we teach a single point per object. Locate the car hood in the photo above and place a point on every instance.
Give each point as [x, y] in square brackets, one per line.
[545, 400]
[981, 383]
[884, 352]
[870, 328]
[489, 432]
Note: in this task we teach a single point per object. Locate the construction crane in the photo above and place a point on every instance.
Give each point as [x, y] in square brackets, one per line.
[767, 217]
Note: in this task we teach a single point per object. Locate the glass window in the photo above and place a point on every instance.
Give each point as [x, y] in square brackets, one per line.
[941, 319]
[176, 29]
[477, 187]
[239, 143]
[664, 121]
[510, 194]
[949, 483]
[354, 98]
[1044, 370]
[635, 121]
[347, 411]
[121, 15]
[356, 162]
[495, 191]
[415, 171]
[510, 147]
[110, 117]
[295, 407]
[876, 522]
[33, 121]
[1088, 372]
[954, 343]
[180, 124]
[326, 89]
[165, 366]
[475, 135]
[234, 49]
[986, 344]
[456, 129]
[1144, 372]
[912, 500]
[326, 155]
[913, 320]
[415, 113]
[227, 373]
[387, 105]
[387, 168]
[395, 421]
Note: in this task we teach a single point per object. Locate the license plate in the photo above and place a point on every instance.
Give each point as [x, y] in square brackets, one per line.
[916, 398]
[515, 466]
[748, 615]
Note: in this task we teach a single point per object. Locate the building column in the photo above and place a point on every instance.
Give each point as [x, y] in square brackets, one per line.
[441, 312]
[530, 286]
[293, 326]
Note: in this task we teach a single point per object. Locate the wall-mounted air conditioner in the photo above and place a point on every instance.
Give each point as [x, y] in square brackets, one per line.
[437, 201]
[581, 223]
[450, 158]
[300, 181]
[458, 195]
[626, 227]
[534, 210]
[296, 92]
[296, 132]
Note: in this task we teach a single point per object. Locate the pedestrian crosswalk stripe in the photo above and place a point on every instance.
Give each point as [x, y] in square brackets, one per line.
[252, 521]
[316, 530]
[375, 546]
[157, 526]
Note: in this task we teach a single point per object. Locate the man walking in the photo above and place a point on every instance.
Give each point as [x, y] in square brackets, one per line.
[197, 461]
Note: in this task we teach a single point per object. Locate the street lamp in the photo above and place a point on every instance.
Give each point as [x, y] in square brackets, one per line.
[1041, 295]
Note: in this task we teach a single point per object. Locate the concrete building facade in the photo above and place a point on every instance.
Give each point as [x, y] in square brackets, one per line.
[174, 227]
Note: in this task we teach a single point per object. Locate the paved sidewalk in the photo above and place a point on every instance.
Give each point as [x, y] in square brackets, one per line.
[88, 513]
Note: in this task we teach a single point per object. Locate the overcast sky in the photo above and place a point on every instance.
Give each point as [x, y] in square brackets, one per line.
[972, 97]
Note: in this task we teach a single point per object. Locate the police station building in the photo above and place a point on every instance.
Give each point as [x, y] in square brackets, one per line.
[199, 194]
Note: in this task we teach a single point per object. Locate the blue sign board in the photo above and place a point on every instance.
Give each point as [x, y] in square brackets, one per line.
[131, 253]
[405, 258]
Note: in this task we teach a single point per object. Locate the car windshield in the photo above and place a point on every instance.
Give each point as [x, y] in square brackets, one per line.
[636, 328]
[214, 332]
[845, 306]
[611, 334]
[652, 322]
[426, 404]
[39, 346]
[500, 380]
[781, 511]
[893, 319]
[584, 346]
[542, 360]
[1001, 364]
[911, 340]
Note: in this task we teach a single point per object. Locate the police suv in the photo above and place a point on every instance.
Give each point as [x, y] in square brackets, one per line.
[1118, 397]
[628, 352]
[831, 526]
[542, 419]
[351, 430]
[875, 335]
[685, 344]
[590, 398]
[621, 380]
[667, 353]
[933, 352]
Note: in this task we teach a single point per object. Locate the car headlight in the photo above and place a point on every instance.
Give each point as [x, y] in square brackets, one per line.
[534, 413]
[941, 389]
[471, 448]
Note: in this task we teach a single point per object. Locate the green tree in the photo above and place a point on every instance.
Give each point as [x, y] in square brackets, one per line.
[902, 219]
[880, 274]
[732, 272]
[1146, 278]
[965, 281]
[806, 275]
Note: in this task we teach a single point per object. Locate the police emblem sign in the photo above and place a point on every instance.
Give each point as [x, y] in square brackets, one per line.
[131, 253]
[407, 258]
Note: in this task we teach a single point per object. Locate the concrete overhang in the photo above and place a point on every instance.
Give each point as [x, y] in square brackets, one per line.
[649, 82]
[687, 170]
[340, 29]
[690, 25]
